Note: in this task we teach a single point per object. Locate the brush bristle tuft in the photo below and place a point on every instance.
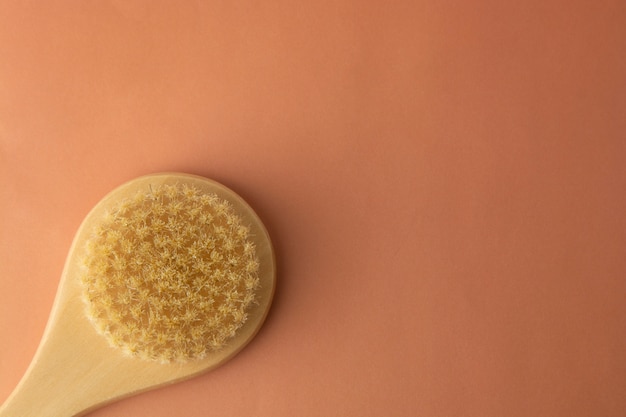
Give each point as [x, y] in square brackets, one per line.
[169, 274]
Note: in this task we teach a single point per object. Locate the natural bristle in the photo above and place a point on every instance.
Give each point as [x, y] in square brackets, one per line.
[169, 274]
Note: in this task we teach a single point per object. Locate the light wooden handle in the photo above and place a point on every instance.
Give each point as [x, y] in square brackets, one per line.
[63, 380]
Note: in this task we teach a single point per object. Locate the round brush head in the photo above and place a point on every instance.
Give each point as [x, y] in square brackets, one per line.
[170, 273]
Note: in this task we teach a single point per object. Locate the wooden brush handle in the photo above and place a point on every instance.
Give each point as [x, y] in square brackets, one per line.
[69, 374]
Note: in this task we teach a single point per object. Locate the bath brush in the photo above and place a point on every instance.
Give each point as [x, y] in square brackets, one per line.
[168, 276]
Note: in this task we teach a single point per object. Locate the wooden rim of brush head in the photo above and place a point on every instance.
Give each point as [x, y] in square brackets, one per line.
[258, 235]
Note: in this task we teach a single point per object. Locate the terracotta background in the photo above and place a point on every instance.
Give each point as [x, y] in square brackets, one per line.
[444, 182]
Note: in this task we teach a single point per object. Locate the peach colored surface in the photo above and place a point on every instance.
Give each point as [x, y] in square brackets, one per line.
[445, 183]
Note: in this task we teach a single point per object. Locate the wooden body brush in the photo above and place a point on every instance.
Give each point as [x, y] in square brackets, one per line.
[169, 276]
